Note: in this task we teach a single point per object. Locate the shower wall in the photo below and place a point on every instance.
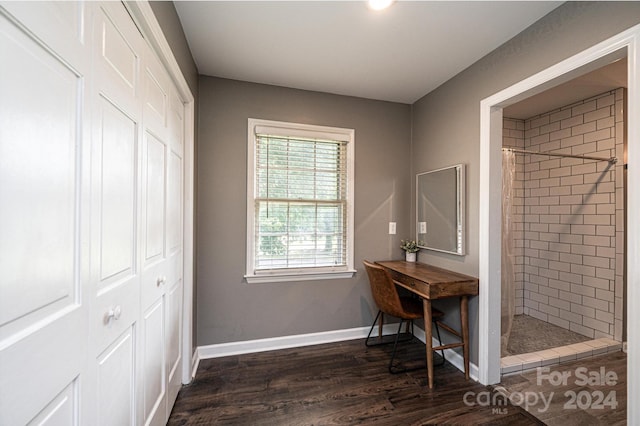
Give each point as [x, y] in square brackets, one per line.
[570, 216]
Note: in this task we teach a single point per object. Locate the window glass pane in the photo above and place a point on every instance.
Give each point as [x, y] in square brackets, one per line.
[301, 184]
[327, 186]
[301, 203]
[271, 234]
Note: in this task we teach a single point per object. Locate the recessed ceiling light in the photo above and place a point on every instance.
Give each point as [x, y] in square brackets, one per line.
[379, 4]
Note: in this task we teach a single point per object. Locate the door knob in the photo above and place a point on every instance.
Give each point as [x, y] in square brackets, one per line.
[113, 314]
[161, 280]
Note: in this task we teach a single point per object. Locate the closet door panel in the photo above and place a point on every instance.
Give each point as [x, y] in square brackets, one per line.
[155, 181]
[174, 203]
[154, 377]
[43, 197]
[62, 410]
[39, 122]
[174, 337]
[118, 149]
[116, 382]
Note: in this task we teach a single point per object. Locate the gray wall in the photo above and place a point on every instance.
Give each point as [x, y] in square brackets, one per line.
[228, 308]
[446, 122]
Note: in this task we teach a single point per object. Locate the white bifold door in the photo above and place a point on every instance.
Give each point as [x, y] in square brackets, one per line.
[91, 202]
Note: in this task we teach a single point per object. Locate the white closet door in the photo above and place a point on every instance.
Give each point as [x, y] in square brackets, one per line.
[115, 275]
[175, 207]
[155, 271]
[44, 312]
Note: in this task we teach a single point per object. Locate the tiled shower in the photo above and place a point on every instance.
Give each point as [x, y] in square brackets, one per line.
[568, 216]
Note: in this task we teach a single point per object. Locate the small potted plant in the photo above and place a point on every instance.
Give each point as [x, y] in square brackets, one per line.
[411, 248]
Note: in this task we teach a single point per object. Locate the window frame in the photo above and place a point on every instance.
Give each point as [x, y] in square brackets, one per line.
[304, 131]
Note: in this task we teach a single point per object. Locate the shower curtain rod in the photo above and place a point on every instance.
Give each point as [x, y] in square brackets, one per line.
[611, 160]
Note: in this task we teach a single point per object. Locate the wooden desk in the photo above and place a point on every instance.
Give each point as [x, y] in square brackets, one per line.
[430, 282]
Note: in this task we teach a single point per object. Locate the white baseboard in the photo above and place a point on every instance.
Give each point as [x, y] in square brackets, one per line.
[195, 361]
[299, 340]
[285, 342]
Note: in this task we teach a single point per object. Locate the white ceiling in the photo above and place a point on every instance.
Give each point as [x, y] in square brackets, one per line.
[342, 47]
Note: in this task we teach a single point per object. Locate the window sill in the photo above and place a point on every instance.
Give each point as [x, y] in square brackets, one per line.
[283, 277]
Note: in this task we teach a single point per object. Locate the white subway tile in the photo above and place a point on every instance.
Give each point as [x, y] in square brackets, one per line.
[583, 229]
[596, 282]
[594, 219]
[582, 249]
[604, 112]
[569, 142]
[571, 316]
[583, 108]
[606, 252]
[538, 122]
[560, 247]
[602, 305]
[560, 304]
[570, 297]
[605, 316]
[581, 129]
[583, 270]
[596, 199]
[582, 350]
[559, 266]
[570, 238]
[560, 115]
[604, 101]
[606, 273]
[585, 311]
[598, 135]
[605, 230]
[605, 295]
[598, 262]
[596, 324]
[596, 240]
[573, 179]
[583, 290]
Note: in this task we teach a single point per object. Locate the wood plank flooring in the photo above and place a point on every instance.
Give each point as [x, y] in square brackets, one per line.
[341, 383]
[568, 389]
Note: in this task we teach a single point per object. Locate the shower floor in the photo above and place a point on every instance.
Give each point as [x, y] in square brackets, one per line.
[529, 334]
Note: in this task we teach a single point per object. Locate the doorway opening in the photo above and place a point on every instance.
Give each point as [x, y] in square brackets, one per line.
[625, 45]
[563, 221]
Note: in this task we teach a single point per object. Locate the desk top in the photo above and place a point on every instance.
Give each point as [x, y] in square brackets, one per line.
[430, 281]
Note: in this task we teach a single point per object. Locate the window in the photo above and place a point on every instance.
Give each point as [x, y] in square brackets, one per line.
[299, 202]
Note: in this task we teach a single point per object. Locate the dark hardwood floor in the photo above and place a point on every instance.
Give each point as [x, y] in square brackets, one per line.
[339, 383]
[589, 391]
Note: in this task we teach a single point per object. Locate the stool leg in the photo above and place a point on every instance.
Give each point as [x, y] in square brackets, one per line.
[395, 346]
[366, 342]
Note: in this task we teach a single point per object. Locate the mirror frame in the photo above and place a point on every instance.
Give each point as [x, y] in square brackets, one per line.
[460, 210]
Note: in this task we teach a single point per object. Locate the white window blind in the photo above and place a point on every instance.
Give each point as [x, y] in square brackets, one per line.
[300, 202]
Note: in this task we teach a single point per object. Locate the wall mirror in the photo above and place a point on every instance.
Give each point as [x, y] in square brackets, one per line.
[440, 196]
